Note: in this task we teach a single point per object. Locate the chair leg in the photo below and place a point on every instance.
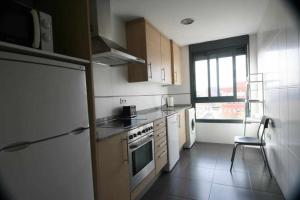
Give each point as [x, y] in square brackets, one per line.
[233, 155]
[265, 155]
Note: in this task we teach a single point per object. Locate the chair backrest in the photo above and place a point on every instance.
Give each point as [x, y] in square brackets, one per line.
[264, 123]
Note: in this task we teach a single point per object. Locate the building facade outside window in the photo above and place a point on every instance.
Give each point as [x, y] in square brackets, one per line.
[219, 72]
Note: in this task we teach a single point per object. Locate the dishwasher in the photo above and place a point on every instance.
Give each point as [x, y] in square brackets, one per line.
[173, 141]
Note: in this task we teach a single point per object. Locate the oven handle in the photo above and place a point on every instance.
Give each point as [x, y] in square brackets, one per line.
[137, 145]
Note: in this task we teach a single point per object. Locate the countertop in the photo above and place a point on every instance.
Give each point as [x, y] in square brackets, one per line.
[149, 115]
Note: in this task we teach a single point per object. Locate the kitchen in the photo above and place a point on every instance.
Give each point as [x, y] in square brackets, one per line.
[112, 105]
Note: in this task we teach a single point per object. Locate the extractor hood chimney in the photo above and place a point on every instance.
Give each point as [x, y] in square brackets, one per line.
[105, 51]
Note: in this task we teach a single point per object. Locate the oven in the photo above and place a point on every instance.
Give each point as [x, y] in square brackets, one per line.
[141, 153]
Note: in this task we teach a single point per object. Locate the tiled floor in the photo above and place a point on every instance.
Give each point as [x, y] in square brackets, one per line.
[203, 173]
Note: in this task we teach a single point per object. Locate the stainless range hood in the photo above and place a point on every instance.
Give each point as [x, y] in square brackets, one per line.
[105, 51]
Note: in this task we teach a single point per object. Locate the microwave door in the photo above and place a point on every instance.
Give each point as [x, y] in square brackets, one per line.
[17, 25]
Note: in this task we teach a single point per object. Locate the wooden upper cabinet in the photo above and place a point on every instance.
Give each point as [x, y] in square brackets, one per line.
[166, 71]
[143, 40]
[176, 64]
[153, 53]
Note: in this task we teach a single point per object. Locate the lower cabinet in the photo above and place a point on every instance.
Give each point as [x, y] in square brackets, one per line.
[113, 169]
[182, 128]
[160, 141]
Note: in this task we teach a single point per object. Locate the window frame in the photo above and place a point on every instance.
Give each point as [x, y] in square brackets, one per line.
[208, 50]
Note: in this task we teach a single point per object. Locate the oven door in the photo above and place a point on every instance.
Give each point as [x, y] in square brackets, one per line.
[141, 159]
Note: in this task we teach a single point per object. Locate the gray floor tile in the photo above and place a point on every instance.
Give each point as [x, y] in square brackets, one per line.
[203, 172]
[162, 196]
[264, 183]
[267, 196]
[239, 179]
[203, 161]
[194, 172]
[222, 192]
[187, 188]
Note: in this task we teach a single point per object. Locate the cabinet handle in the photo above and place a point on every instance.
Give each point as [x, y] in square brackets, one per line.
[160, 124]
[163, 74]
[161, 144]
[179, 120]
[150, 70]
[125, 158]
[162, 154]
[175, 77]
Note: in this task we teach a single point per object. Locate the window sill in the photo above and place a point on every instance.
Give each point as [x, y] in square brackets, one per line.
[237, 121]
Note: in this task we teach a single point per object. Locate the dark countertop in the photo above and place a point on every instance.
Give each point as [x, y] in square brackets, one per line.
[149, 115]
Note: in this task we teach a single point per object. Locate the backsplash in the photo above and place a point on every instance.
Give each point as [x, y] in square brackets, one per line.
[111, 85]
[278, 59]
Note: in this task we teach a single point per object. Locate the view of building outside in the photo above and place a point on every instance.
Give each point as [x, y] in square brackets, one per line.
[221, 110]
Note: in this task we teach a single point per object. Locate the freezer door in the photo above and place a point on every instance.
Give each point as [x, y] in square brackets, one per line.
[56, 169]
[40, 100]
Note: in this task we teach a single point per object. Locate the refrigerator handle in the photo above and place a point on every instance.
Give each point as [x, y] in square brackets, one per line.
[16, 146]
[23, 145]
[78, 130]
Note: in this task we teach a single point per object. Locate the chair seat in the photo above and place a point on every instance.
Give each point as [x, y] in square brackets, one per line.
[247, 140]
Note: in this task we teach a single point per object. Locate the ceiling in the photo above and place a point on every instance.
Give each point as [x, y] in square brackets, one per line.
[214, 19]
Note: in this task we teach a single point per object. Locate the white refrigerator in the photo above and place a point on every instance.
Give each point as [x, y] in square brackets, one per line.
[44, 134]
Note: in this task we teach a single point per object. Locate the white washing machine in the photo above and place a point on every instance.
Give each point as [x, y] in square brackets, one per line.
[190, 127]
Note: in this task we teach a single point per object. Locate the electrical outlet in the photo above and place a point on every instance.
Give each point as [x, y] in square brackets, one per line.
[122, 101]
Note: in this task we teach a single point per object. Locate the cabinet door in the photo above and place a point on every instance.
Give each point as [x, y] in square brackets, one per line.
[112, 166]
[176, 64]
[153, 53]
[136, 44]
[166, 60]
[182, 129]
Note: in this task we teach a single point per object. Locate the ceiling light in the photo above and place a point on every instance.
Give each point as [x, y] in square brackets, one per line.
[187, 21]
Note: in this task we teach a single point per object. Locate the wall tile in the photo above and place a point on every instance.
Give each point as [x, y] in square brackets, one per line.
[278, 59]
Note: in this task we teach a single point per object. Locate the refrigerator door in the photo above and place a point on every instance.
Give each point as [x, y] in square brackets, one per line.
[57, 169]
[41, 99]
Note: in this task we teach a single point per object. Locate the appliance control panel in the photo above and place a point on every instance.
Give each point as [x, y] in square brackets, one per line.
[139, 132]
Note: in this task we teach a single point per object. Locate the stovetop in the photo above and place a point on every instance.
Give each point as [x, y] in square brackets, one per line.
[122, 123]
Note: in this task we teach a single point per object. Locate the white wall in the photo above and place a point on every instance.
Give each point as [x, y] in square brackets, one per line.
[278, 59]
[212, 132]
[111, 84]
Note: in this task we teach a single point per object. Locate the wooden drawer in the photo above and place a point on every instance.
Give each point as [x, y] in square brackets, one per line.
[159, 134]
[161, 159]
[160, 123]
[161, 143]
[161, 152]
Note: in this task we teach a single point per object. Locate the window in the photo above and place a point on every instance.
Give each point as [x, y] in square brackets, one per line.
[218, 80]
